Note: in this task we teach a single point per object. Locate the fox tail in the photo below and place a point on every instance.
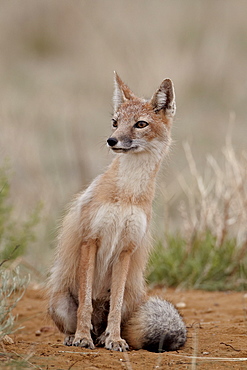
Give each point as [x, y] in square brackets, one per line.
[156, 326]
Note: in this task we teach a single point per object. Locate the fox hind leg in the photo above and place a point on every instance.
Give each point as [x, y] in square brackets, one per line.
[63, 310]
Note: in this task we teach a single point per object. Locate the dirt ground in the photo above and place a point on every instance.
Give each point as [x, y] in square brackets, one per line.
[217, 337]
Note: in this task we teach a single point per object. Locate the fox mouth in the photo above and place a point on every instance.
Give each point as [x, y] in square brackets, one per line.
[124, 150]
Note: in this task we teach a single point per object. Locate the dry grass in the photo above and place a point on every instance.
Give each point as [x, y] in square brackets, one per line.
[12, 289]
[209, 250]
[218, 200]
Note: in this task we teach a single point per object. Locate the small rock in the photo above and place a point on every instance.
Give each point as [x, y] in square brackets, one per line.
[38, 333]
[181, 305]
[46, 329]
[7, 340]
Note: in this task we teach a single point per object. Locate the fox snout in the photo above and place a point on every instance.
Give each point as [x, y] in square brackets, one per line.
[112, 141]
[120, 145]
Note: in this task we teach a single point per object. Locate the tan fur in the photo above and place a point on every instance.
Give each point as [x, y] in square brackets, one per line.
[104, 240]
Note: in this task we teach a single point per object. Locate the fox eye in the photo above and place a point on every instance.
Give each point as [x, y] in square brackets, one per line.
[114, 123]
[141, 124]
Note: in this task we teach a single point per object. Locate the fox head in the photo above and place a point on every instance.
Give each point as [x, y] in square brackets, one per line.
[141, 125]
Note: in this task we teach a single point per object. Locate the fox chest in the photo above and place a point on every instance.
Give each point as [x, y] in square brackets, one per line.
[115, 226]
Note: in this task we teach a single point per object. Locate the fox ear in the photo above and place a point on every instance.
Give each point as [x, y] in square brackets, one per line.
[164, 98]
[122, 92]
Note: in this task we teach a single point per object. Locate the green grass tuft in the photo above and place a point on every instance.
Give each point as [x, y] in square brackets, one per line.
[200, 264]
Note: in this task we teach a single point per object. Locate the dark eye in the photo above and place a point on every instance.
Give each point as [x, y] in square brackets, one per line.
[114, 123]
[141, 124]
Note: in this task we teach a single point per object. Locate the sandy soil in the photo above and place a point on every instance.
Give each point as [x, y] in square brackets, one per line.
[217, 336]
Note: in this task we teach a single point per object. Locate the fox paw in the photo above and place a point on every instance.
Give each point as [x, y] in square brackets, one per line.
[116, 345]
[68, 340]
[83, 342]
[112, 344]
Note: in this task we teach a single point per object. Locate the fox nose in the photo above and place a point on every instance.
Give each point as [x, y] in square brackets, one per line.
[112, 141]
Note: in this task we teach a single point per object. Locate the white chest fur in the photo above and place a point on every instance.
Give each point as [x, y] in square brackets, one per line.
[116, 226]
[114, 222]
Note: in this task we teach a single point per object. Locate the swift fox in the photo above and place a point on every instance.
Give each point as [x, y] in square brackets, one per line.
[97, 286]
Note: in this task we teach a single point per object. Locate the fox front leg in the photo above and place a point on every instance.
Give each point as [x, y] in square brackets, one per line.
[111, 338]
[84, 313]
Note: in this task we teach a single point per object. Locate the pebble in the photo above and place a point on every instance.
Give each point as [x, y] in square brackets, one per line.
[181, 305]
[7, 340]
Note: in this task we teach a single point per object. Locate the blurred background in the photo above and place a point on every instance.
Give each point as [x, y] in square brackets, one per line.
[56, 80]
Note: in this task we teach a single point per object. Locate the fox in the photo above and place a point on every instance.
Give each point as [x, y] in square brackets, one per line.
[97, 289]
